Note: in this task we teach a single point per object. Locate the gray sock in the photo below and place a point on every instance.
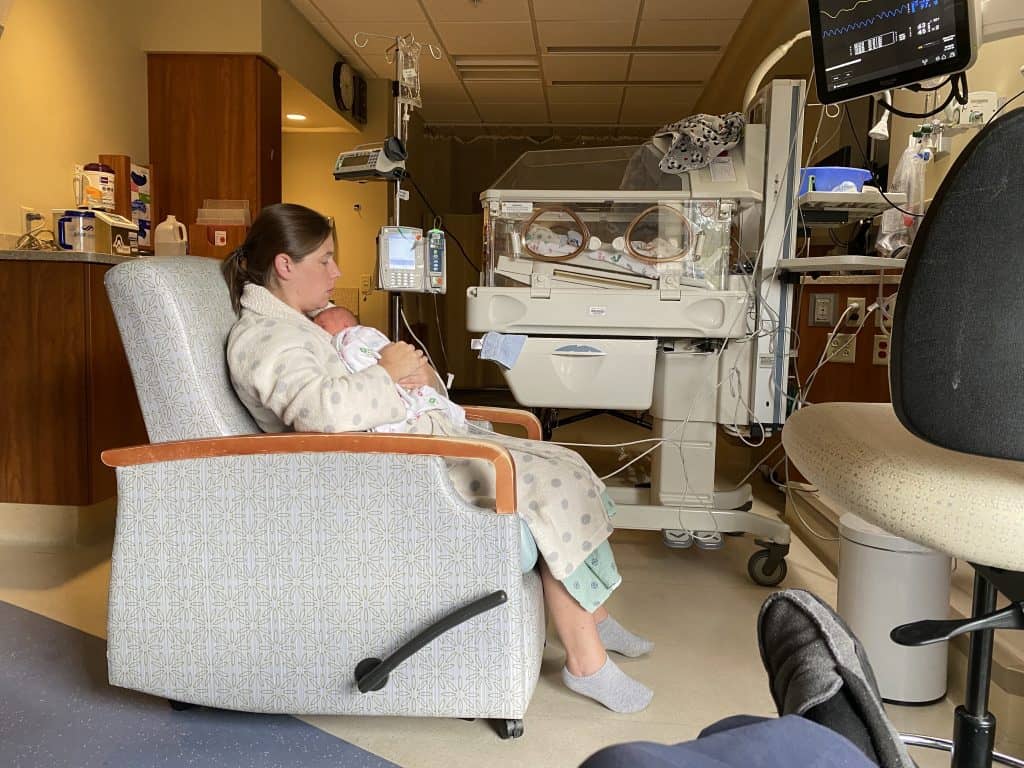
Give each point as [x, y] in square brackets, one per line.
[612, 687]
[619, 639]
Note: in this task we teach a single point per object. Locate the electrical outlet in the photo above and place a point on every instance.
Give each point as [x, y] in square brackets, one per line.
[365, 286]
[881, 354]
[886, 307]
[29, 219]
[842, 348]
[822, 310]
[854, 317]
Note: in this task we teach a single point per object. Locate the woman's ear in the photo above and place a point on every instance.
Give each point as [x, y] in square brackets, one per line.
[283, 266]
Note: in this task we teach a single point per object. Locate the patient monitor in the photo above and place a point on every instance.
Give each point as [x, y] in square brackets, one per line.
[408, 261]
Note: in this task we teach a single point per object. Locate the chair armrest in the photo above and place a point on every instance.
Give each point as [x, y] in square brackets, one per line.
[525, 419]
[313, 442]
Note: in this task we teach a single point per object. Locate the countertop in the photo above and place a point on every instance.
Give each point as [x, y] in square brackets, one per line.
[73, 257]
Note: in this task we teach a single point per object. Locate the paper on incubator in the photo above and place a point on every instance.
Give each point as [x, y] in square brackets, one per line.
[502, 348]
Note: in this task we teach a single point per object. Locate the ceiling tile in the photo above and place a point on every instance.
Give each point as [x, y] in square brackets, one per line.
[657, 104]
[576, 10]
[584, 113]
[512, 112]
[443, 92]
[497, 38]
[476, 11]
[602, 67]
[455, 112]
[347, 11]
[580, 33]
[584, 94]
[674, 9]
[436, 70]
[692, 32]
[673, 66]
[497, 93]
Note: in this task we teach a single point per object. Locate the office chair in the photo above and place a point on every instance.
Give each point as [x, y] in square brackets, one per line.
[943, 464]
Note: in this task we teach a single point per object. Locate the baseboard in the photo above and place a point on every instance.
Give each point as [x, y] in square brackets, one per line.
[56, 524]
[1008, 658]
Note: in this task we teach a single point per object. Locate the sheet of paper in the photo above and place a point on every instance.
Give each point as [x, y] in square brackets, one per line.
[723, 169]
[502, 348]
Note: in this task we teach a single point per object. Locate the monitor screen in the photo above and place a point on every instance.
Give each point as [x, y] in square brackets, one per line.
[401, 251]
[867, 46]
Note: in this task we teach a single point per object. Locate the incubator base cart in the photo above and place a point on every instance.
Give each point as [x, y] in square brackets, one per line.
[634, 290]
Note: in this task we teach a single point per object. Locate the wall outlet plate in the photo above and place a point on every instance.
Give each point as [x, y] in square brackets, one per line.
[880, 355]
[842, 348]
[821, 310]
[854, 317]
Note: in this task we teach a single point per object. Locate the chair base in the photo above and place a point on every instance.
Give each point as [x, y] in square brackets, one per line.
[946, 745]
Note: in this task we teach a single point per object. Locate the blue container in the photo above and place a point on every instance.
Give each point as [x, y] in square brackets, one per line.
[826, 179]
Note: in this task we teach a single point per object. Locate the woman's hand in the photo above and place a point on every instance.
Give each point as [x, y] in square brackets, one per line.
[424, 377]
[401, 360]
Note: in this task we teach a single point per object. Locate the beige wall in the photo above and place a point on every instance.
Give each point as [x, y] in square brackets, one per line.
[198, 26]
[996, 69]
[72, 86]
[307, 160]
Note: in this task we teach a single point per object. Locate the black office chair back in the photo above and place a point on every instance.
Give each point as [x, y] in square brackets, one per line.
[957, 352]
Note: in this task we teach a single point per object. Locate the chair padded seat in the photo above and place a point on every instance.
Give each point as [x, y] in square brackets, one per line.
[860, 455]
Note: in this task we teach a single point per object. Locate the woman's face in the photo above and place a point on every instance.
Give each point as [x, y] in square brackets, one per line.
[311, 280]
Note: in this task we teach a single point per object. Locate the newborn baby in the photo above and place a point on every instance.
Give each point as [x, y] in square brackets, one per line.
[359, 346]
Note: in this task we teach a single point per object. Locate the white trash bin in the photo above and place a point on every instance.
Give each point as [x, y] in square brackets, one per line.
[885, 581]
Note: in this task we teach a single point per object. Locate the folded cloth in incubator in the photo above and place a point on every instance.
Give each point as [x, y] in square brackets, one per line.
[625, 261]
[502, 348]
[693, 142]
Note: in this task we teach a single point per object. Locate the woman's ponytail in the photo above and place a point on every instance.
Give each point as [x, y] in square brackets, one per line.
[235, 275]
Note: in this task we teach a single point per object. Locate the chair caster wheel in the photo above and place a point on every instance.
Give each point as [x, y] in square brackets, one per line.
[510, 729]
[756, 570]
[180, 706]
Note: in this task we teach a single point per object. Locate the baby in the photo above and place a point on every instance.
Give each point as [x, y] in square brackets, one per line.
[359, 347]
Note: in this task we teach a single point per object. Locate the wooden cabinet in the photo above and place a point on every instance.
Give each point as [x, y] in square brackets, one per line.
[68, 391]
[214, 132]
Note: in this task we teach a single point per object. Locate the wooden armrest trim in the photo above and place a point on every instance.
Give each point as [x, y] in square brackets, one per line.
[314, 442]
[524, 419]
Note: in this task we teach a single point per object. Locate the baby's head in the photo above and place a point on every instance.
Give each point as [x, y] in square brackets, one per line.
[334, 320]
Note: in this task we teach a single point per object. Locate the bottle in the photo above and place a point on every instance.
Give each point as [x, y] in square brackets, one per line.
[170, 238]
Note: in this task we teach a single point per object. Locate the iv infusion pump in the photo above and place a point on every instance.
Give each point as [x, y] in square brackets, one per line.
[409, 261]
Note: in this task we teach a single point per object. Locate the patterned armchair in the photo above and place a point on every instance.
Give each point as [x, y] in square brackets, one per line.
[258, 572]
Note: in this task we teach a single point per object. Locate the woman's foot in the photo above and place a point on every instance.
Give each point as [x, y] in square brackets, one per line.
[612, 687]
[617, 638]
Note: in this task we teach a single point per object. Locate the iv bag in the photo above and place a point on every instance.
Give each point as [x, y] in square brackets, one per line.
[897, 229]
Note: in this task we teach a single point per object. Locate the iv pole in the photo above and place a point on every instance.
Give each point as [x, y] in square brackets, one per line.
[404, 102]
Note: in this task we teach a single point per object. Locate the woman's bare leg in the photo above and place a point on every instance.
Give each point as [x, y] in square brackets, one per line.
[576, 627]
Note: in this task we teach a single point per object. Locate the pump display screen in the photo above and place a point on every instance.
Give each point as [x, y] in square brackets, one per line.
[866, 46]
[401, 251]
[354, 160]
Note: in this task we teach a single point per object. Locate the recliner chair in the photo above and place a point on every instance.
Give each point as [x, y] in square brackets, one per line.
[942, 464]
[302, 573]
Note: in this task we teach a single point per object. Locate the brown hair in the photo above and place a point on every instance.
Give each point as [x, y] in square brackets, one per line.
[281, 228]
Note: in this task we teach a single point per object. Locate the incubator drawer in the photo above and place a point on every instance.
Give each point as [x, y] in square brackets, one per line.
[584, 373]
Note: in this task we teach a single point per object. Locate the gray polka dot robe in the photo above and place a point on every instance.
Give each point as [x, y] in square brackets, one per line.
[287, 373]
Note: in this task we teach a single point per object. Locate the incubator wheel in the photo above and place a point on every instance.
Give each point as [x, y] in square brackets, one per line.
[756, 570]
[510, 729]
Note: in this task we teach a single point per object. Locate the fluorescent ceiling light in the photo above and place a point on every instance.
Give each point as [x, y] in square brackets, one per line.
[295, 116]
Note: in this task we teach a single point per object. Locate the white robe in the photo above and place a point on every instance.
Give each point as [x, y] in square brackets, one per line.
[286, 371]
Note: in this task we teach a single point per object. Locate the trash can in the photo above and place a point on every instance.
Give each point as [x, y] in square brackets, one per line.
[885, 581]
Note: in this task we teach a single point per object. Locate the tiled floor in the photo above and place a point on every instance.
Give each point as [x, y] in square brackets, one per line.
[698, 606]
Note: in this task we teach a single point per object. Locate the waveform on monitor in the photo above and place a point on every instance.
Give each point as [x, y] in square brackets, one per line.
[841, 11]
[912, 6]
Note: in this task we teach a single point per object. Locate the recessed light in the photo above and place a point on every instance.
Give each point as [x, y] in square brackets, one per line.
[295, 116]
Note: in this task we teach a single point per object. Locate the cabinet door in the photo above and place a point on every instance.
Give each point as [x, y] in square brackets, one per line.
[211, 133]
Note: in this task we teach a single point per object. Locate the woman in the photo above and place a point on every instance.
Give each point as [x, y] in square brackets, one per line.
[289, 376]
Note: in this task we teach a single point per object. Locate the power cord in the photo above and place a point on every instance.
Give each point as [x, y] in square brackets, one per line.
[957, 90]
[1008, 103]
[437, 218]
